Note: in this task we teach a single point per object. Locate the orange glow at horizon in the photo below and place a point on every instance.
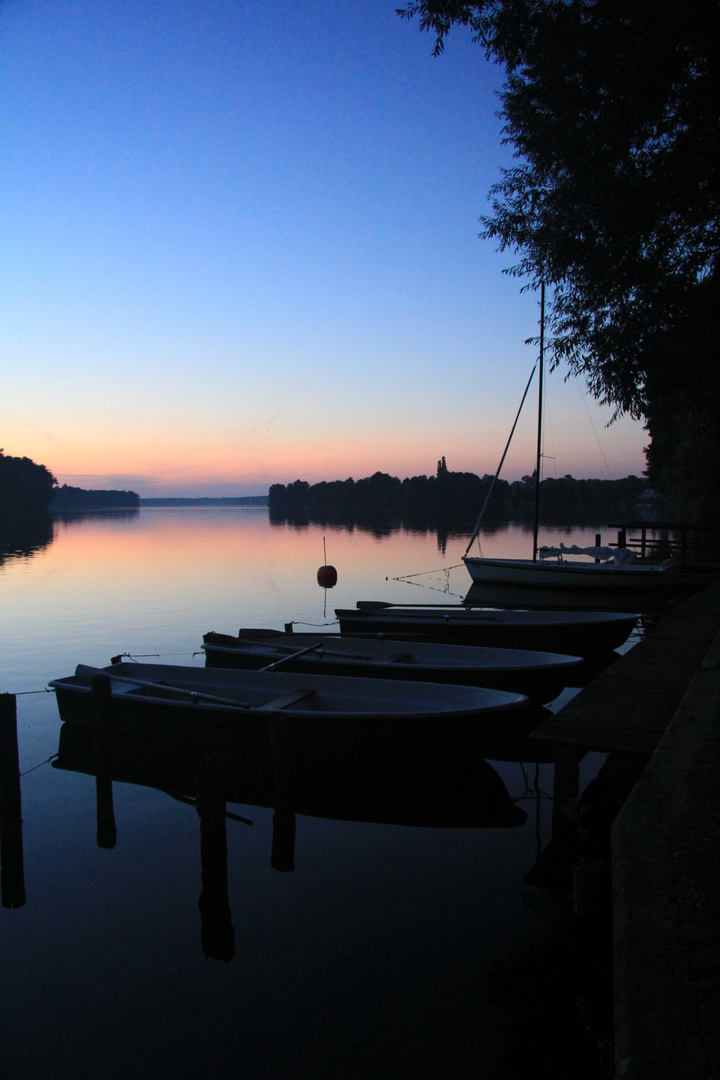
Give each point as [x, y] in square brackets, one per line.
[183, 459]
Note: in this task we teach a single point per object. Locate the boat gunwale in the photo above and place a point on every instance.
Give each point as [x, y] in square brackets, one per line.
[388, 707]
[498, 658]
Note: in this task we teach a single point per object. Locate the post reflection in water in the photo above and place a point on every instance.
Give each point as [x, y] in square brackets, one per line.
[413, 788]
[12, 872]
[218, 935]
[100, 693]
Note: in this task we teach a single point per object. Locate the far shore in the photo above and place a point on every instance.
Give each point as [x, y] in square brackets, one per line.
[241, 500]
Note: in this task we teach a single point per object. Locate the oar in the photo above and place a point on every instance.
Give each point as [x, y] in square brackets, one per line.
[292, 651]
[292, 656]
[86, 672]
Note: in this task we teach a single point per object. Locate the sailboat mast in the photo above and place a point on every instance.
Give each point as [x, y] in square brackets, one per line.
[536, 520]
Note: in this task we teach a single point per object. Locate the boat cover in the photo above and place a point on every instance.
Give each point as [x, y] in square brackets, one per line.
[621, 556]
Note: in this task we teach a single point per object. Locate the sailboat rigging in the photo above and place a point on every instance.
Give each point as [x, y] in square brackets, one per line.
[609, 568]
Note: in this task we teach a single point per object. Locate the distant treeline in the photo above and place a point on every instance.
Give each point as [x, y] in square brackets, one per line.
[73, 498]
[25, 488]
[240, 500]
[452, 498]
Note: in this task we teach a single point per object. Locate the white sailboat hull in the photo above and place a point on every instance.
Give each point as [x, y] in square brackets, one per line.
[525, 572]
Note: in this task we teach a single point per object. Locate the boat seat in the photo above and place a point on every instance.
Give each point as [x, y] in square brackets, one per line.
[285, 700]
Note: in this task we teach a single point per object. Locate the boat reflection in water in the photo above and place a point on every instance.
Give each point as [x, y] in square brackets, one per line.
[412, 786]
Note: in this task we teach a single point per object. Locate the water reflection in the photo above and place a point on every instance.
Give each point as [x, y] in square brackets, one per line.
[23, 537]
[364, 959]
[77, 517]
[12, 873]
[413, 787]
[218, 933]
[513, 535]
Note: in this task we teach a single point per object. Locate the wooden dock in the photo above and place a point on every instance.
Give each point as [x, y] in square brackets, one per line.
[642, 845]
[629, 706]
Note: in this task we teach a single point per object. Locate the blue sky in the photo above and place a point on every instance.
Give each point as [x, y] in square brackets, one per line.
[239, 246]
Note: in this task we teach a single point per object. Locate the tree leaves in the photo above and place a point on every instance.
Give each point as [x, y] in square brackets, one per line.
[612, 107]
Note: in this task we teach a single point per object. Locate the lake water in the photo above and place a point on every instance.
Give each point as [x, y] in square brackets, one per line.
[373, 957]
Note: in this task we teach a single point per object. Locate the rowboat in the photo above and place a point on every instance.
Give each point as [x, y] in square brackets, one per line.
[322, 709]
[579, 633]
[539, 675]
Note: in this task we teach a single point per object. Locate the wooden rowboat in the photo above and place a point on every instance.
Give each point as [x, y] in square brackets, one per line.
[541, 676]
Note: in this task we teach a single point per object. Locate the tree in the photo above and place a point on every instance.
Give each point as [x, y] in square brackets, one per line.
[25, 488]
[612, 108]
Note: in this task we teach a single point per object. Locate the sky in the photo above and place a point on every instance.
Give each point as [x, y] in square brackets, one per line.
[240, 247]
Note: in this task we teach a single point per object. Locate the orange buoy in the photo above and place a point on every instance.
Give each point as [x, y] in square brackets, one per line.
[326, 575]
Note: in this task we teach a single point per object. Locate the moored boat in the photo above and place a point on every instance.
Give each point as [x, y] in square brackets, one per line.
[323, 710]
[539, 675]
[610, 569]
[580, 633]
[614, 574]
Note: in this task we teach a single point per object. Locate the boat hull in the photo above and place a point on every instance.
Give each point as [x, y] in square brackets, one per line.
[562, 575]
[539, 675]
[581, 633]
[319, 714]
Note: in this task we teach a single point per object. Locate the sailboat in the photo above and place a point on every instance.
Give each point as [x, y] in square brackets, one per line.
[597, 567]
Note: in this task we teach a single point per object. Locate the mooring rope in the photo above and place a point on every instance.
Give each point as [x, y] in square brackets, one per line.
[424, 573]
[446, 590]
[24, 693]
[137, 657]
[45, 762]
[532, 791]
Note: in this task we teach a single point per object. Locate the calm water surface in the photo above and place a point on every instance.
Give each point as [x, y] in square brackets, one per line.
[370, 958]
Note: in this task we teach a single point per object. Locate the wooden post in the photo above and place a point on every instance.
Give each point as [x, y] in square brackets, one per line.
[12, 874]
[100, 695]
